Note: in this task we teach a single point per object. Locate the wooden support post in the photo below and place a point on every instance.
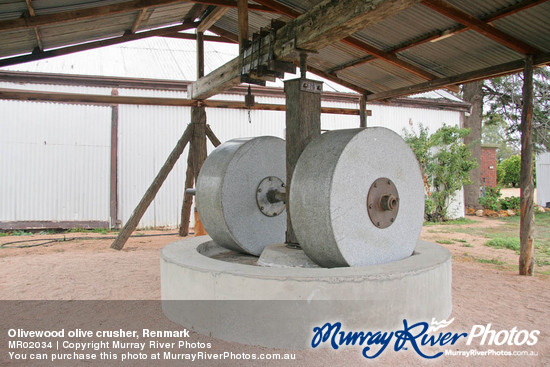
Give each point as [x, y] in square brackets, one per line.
[187, 199]
[113, 179]
[198, 143]
[363, 111]
[527, 219]
[212, 137]
[242, 16]
[152, 191]
[200, 55]
[303, 124]
[197, 148]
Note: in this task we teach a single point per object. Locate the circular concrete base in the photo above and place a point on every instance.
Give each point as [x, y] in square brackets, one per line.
[221, 293]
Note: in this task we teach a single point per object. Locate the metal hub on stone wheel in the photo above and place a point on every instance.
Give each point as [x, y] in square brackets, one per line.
[239, 192]
[357, 198]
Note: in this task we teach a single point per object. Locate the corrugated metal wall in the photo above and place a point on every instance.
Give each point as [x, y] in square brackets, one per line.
[68, 177]
[543, 178]
[55, 161]
[147, 135]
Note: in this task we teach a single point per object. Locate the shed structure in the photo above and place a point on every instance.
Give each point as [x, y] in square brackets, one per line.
[379, 48]
[58, 171]
[543, 179]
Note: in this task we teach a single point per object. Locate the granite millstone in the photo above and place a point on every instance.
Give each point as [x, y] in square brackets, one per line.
[226, 193]
[328, 198]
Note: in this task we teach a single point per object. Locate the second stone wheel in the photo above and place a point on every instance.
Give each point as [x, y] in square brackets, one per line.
[357, 198]
[235, 191]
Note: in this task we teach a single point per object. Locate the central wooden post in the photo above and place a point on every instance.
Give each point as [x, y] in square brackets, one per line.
[303, 124]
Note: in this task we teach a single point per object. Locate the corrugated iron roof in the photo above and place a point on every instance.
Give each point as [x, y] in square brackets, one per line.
[409, 32]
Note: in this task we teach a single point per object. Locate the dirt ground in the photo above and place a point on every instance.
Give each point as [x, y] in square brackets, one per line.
[89, 270]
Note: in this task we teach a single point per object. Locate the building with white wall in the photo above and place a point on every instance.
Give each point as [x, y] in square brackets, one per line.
[56, 157]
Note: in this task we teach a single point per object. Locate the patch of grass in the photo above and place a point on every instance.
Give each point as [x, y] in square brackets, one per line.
[94, 230]
[444, 242]
[21, 233]
[4, 234]
[466, 245]
[489, 261]
[49, 231]
[484, 261]
[506, 235]
[459, 221]
[460, 240]
[511, 243]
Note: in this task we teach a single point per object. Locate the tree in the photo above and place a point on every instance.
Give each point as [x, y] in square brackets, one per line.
[473, 93]
[446, 163]
[495, 131]
[511, 167]
[504, 101]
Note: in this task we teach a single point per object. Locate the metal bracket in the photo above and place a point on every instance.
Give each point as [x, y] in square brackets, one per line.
[311, 86]
[383, 202]
[271, 196]
[258, 62]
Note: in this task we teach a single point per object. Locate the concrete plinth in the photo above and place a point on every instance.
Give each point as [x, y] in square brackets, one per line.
[218, 292]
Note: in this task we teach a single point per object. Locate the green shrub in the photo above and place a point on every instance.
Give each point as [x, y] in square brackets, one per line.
[511, 168]
[491, 199]
[500, 174]
[510, 203]
[445, 162]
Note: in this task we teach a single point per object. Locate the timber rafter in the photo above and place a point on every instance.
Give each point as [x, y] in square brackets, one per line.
[106, 10]
[490, 72]
[96, 44]
[374, 53]
[480, 26]
[439, 34]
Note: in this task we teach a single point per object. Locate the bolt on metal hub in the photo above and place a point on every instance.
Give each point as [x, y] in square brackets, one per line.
[383, 202]
[271, 196]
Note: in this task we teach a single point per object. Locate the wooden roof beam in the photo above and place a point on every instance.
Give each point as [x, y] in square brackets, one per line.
[436, 35]
[311, 69]
[242, 19]
[191, 36]
[95, 44]
[208, 21]
[324, 24]
[392, 59]
[223, 33]
[480, 26]
[61, 97]
[374, 52]
[30, 8]
[280, 8]
[138, 20]
[486, 73]
[106, 10]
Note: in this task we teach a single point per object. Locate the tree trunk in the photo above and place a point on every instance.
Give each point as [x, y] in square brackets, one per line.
[527, 219]
[473, 93]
